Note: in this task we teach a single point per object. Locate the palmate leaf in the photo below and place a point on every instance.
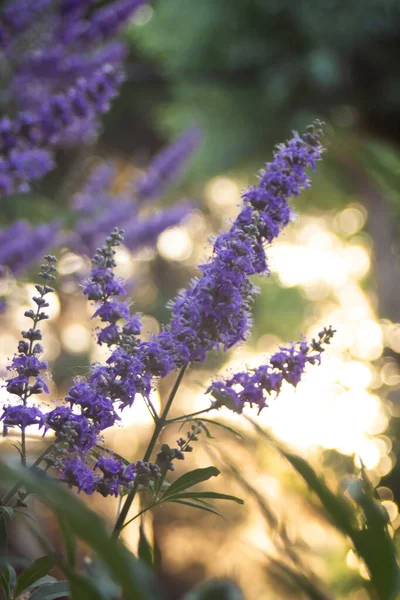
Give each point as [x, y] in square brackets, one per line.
[190, 479]
[134, 579]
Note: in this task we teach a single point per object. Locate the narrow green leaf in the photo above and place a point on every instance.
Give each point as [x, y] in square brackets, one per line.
[373, 542]
[42, 581]
[215, 590]
[82, 588]
[51, 591]
[223, 426]
[11, 576]
[3, 538]
[69, 541]
[4, 586]
[157, 557]
[145, 551]
[134, 579]
[190, 479]
[200, 506]
[209, 495]
[339, 509]
[33, 572]
[6, 512]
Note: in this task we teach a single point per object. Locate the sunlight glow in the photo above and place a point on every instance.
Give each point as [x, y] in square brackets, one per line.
[175, 244]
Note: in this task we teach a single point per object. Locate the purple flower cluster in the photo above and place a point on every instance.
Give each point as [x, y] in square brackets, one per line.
[21, 245]
[25, 142]
[215, 311]
[26, 367]
[98, 208]
[108, 475]
[255, 387]
[101, 208]
[168, 165]
[62, 67]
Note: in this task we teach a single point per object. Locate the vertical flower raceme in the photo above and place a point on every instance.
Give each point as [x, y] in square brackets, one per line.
[22, 244]
[26, 367]
[101, 207]
[167, 166]
[215, 311]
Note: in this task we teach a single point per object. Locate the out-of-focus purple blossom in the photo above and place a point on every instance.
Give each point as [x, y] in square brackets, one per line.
[139, 231]
[104, 23]
[21, 167]
[145, 232]
[95, 192]
[17, 16]
[80, 105]
[256, 386]
[21, 245]
[168, 165]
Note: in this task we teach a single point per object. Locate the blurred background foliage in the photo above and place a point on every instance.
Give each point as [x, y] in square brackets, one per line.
[248, 71]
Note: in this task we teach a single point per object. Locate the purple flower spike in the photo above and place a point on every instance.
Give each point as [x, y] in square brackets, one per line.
[168, 165]
[255, 387]
[26, 141]
[215, 311]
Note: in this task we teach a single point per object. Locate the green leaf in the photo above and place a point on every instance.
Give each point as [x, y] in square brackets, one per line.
[6, 512]
[223, 426]
[4, 586]
[33, 572]
[69, 541]
[82, 588]
[339, 509]
[145, 552]
[3, 537]
[209, 495]
[373, 542]
[157, 557]
[51, 591]
[10, 576]
[200, 506]
[133, 577]
[42, 581]
[190, 479]
[215, 590]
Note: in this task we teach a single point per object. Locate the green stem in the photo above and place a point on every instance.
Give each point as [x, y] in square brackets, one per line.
[23, 447]
[160, 423]
[139, 514]
[189, 416]
[10, 495]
